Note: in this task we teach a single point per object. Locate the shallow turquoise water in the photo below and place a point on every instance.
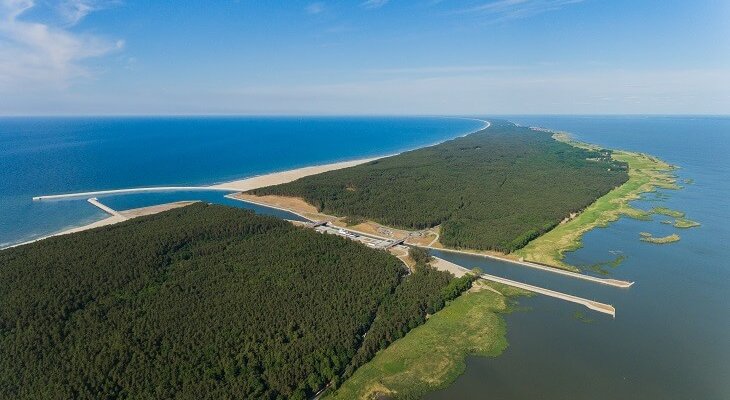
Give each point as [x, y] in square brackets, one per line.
[671, 335]
[60, 155]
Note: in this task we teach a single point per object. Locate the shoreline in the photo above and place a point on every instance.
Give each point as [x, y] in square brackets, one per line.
[255, 181]
[646, 174]
[124, 215]
[233, 186]
[409, 241]
[286, 176]
[431, 356]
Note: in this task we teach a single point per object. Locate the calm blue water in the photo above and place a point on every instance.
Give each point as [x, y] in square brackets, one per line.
[60, 155]
[671, 335]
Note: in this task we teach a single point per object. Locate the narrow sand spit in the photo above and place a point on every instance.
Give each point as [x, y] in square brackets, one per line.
[233, 186]
[277, 178]
[123, 216]
[240, 185]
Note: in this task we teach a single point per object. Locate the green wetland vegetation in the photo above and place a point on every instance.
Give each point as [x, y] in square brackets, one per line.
[581, 316]
[495, 189]
[685, 223]
[646, 175]
[667, 211]
[433, 355]
[648, 237]
[605, 267]
[682, 223]
[202, 302]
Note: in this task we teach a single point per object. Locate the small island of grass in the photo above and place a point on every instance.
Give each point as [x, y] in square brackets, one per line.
[667, 211]
[646, 174]
[600, 268]
[685, 223]
[647, 237]
[582, 317]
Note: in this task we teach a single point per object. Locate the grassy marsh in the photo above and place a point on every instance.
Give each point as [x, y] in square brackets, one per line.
[433, 355]
[647, 237]
[646, 174]
[685, 223]
[667, 211]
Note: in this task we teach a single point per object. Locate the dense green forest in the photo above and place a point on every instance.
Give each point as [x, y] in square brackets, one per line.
[495, 189]
[419, 255]
[425, 292]
[200, 302]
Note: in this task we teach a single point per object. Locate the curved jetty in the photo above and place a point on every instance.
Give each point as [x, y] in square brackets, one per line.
[232, 186]
[131, 190]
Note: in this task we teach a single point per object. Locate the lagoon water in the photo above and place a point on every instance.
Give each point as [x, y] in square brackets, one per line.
[671, 335]
[59, 155]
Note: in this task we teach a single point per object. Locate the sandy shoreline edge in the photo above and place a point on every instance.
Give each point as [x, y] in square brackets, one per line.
[110, 220]
[276, 178]
[239, 185]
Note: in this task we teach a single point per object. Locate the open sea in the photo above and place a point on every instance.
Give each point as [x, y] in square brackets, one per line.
[671, 335]
[41, 156]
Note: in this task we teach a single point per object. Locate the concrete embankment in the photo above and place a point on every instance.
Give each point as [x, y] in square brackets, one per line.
[131, 190]
[106, 209]
[591, 304]
[603, 281]
[458, 270]
[555, 270]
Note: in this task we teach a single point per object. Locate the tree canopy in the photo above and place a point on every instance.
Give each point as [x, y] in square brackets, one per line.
[203, 301]
[495, 189]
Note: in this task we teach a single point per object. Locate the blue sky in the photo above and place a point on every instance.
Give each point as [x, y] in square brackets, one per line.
[364, 57]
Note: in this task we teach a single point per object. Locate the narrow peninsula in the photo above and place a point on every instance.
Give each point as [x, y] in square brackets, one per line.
[494, 190]
[508, 191]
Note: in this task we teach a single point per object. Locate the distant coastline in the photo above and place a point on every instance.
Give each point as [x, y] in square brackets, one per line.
[110, 220]
[646, 173]
[238, 185]
[548, 249]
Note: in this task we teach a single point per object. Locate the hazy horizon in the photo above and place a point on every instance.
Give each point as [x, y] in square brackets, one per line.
[313, 115]
[519, 57]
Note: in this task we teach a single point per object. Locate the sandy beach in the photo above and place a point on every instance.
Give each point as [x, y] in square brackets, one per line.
[240, 185]
[113, 219]
[277, 178]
